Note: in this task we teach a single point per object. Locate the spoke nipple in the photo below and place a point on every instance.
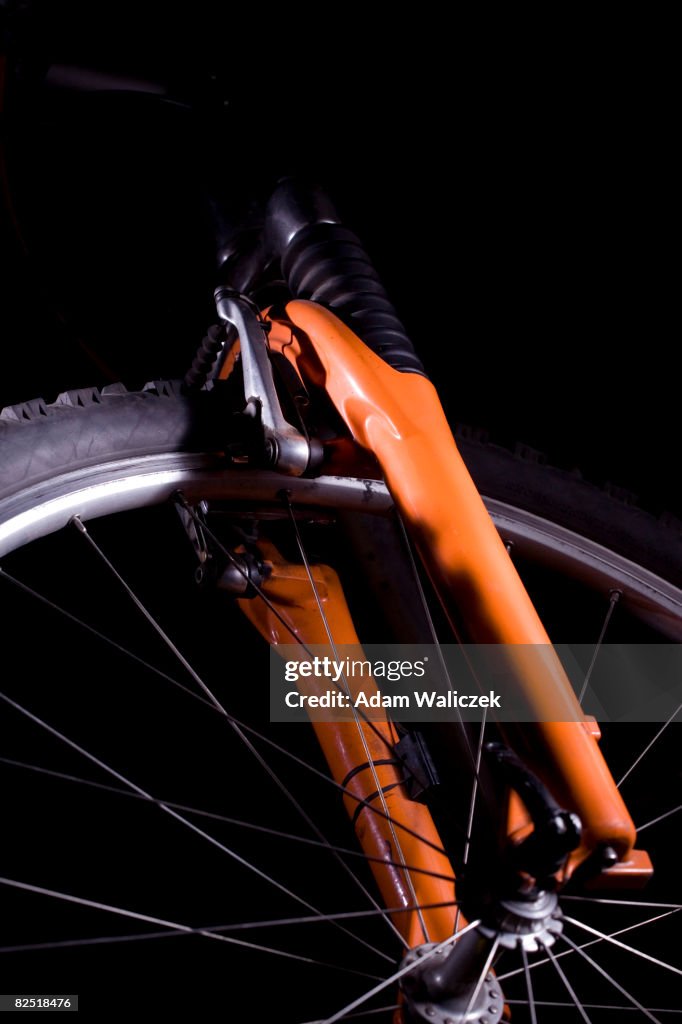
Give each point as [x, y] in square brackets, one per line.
[76, 521]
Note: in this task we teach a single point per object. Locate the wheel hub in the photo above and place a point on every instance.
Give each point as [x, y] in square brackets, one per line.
[487, 1006]
[454, 986]
[531, 923]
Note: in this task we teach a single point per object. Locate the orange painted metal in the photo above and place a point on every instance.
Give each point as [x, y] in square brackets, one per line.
[398, 417]
[346, 746]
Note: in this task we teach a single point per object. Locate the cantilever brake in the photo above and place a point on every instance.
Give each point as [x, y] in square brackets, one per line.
[285, 448]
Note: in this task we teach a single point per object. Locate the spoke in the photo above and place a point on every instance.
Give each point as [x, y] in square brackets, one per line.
[623, 945]
[215, 816]
[474, 789]
[623, 903]
[278, 615]
[588, 1006]
[661, 817]
[592, 942]
[242, 571]
[486, 967]
[177, 816]
[472, 801]
[567, 984]
[216, 707]
[280, 922]
[475, 758]
[364, 1013]
[382, 812]
[347, 792]
[368, 753]
[174, 926]
[614, 598]
[432, 627]
[144, 611]
[612, 981]
[649, 745]
[529, 986]
[452, 940]
[35, 595]
[97, 940]
[321, 837]
[214, 700]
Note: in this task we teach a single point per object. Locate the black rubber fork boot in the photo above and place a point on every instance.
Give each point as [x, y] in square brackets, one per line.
[325, 262]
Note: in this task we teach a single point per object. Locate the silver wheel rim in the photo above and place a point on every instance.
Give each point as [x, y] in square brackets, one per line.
[138, 482]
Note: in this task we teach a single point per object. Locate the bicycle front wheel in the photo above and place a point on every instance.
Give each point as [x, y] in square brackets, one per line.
[148, 830]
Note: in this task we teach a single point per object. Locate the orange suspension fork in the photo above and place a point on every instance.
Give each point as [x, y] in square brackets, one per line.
[398, 417]
[359, 756]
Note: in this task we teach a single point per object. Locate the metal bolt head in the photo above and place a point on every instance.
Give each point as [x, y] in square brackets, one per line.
[608, 856]
[271, 450]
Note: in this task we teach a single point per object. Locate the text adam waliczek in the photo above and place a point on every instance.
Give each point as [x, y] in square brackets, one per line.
[423, 699]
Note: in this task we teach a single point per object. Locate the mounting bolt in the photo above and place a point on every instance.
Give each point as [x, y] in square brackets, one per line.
[608, 856]
[271, 451]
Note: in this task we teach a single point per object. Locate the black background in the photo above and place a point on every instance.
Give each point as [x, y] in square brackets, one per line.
[517, 198]
[513, 183]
